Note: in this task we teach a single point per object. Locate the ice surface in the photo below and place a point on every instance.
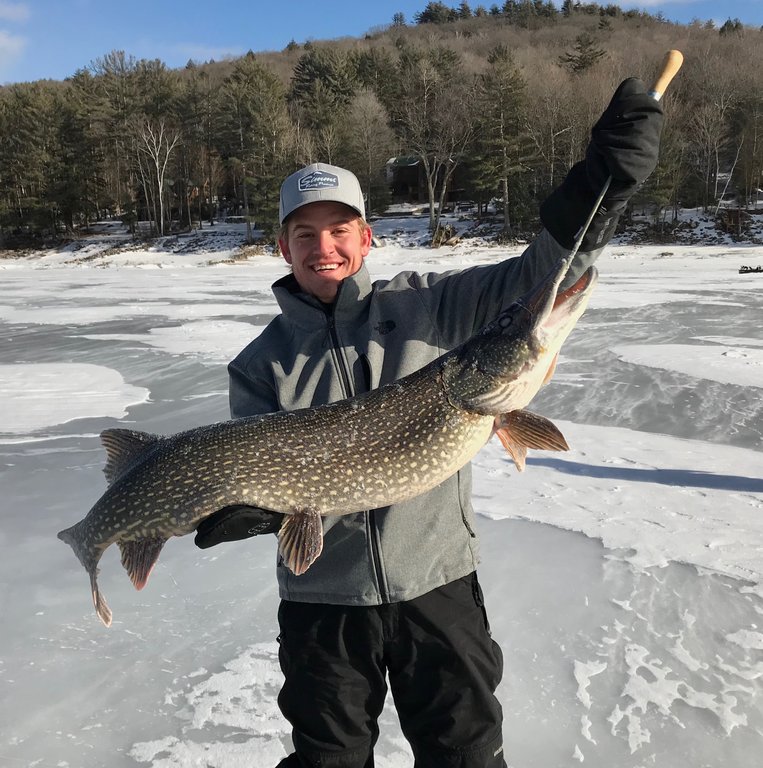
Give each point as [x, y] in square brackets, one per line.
[622, 579]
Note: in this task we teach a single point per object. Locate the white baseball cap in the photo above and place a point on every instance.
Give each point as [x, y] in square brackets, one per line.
[320, 183]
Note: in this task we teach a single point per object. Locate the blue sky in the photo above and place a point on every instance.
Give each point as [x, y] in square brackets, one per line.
[53, 38]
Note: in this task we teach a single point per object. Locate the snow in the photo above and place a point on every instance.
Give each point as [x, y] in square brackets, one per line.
[739, 364]
[623, 579]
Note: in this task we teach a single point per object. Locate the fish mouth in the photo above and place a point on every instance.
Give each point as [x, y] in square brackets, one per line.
[579, 290]
[547, 306]
[570, 303]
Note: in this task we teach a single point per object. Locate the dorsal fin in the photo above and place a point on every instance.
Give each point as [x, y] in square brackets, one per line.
[123, 448]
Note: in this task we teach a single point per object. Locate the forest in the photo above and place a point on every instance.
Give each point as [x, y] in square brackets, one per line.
[485, 104]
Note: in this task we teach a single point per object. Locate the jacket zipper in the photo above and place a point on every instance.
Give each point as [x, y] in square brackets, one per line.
[349, 391]
[344, 375]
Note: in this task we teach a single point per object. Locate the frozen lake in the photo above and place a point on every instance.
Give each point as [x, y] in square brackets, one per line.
[623, 579]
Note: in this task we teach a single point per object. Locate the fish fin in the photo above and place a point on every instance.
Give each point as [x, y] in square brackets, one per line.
[517, 451]
[300, 540]
[551, 370]
[139, 557]
[123, 448]
[520, 430]
[89, 557]
[101, 608]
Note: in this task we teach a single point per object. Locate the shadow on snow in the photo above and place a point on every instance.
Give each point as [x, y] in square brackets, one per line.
[677, 477]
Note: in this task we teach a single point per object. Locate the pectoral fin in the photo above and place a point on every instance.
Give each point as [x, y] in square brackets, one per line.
[139, 557]
[300, 540]
[520, 430]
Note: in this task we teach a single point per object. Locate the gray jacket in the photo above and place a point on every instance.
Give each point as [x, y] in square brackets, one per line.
[373, 334]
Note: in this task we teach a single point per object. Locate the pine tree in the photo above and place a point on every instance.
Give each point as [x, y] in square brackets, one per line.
[27, 152]
[118, 104]
[80, 186]
[585, 55]
[436, 13]
[730, 27]
[501, 145]
[256, 137]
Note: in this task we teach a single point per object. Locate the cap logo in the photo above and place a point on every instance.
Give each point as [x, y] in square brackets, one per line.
[318, 180]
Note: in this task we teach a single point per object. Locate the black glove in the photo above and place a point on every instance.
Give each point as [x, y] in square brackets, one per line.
[235, 523]
[625, 143]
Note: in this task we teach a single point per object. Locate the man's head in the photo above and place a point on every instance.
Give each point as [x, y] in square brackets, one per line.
[324, 236]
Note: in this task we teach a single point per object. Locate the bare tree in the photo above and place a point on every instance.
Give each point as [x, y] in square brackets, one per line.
[154, 148]
[549, 121]
[710, 136]
[747, 126]
[716, 89]
[369, 140]
[434, 117]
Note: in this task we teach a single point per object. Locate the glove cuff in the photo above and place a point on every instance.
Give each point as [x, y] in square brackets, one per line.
[565, 211]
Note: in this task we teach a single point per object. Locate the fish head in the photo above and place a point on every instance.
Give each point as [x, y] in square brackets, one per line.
[502, 368]
[554, 313]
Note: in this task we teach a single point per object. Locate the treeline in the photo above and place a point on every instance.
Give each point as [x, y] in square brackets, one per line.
[491, 103]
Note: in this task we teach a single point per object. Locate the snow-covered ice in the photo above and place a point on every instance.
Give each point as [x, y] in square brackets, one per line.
[623, 579]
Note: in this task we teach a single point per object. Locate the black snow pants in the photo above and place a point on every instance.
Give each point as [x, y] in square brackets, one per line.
[443, 669]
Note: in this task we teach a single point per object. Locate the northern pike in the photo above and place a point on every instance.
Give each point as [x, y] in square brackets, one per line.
[369, 451]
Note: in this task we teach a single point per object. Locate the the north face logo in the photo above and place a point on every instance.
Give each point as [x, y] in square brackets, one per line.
[318, 180]
[385, 327]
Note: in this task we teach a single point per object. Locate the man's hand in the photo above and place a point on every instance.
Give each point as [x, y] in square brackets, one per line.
[235, 523]
[625, 143]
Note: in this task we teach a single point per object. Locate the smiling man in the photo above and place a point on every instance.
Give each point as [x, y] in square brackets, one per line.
[323, 239]
[394, 595]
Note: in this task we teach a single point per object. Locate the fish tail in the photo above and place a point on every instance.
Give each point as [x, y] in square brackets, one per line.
[89, 558]
[74, 537]
[101, 607]
[69, 535]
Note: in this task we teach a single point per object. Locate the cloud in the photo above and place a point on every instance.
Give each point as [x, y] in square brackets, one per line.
[11, 50]
[14, 12]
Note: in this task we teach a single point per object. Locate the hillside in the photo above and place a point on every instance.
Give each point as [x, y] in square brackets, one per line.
[491, 105]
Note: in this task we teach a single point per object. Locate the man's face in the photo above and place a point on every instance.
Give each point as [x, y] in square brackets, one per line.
[324, 244]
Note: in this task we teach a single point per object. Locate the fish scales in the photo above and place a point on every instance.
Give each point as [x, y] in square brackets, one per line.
[332, 458]
[370, 451]
[363, 452]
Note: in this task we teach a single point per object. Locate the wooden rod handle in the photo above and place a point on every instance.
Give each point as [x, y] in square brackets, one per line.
[670, 66]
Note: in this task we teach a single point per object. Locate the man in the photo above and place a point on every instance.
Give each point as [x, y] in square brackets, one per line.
[394, 595]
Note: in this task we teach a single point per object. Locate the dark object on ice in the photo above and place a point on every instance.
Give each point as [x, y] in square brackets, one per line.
[743, 270]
